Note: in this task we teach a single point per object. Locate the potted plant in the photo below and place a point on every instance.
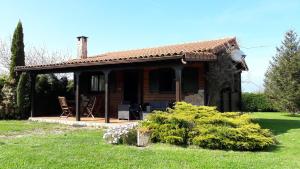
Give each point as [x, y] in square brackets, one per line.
[143, 137]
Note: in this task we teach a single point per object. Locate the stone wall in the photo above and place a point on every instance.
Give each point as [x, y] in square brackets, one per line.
[224, 84]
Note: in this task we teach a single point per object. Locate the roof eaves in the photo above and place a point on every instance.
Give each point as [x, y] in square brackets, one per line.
[97, 63]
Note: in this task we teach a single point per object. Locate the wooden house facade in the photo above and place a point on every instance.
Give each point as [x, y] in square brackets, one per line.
[150, 76]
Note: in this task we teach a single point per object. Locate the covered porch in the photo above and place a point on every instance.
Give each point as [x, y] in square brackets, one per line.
[158, 85]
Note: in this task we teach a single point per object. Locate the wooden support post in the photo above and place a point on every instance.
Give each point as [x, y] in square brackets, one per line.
[32, 93]
[206, 83]
[77, 95]
[106, 74]
[178, 74]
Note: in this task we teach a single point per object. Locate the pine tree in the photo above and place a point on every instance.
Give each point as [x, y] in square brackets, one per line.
[17, 51]
[282, 79]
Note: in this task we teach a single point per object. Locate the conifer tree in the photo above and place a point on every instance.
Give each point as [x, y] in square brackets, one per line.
[23, 96]
[282, 79]
[17, 51]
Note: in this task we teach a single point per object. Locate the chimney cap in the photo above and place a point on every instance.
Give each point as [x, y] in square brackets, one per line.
[84, 37]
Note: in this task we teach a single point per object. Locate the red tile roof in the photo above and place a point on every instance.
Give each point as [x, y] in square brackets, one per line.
[195, 51]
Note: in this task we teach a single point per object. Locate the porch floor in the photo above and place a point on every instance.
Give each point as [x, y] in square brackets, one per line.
[85, 121]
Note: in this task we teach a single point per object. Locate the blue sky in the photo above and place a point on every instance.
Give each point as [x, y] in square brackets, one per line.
[117, 25]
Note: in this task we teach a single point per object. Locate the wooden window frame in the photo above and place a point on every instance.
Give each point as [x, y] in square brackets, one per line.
[158, 78]
[100, 83]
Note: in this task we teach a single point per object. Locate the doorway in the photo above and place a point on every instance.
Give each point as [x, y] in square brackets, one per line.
[226, 100]
[131, 86]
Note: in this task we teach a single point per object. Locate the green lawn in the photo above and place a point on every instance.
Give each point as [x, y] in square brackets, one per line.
[13, 128]
[37, 145]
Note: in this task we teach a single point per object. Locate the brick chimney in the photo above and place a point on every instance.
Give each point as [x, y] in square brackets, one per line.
[82, 47]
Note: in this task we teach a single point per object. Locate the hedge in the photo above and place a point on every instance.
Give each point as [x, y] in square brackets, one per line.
[256, 102]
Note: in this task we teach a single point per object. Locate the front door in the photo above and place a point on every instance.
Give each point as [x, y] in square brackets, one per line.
[131, 86]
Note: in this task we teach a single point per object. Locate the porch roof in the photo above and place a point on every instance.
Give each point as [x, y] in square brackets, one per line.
[194, 51]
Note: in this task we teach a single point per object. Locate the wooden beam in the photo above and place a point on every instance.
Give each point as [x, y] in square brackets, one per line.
[178, 76]
[77, 95]
[32, 94]
[106, 75]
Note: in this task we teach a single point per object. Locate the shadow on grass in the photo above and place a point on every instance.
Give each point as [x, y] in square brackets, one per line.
[278, 126]
[292, 115]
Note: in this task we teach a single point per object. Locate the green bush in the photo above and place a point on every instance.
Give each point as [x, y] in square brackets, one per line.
[70, 87]
[48, 88]
[3, 80]
[8, 106]
[204, 126]
[122, 134]
[15, 98]
[255, 102]
[130, 138]
[23, 96]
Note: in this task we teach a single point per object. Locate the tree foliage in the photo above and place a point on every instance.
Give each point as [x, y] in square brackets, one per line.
[256, 102]
[34, 55]
[14, 92]
[17, 51]
[48, 88]
[23, 95]
[8, 104]
[282, 79]
[3, 80]
[9, 108]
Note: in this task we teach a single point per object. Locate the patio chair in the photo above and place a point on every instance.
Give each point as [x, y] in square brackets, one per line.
[129, 112]
[123, 111]
[135, 111]
[66, 110]
[158, 105]
[90, 107]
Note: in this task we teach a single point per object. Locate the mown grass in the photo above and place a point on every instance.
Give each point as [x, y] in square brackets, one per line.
[85, 148]
[14, 127]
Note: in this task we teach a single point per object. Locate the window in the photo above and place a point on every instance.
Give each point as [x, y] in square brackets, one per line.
[190, 81]
[97, 83]
[162, 80]
[153, 81]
